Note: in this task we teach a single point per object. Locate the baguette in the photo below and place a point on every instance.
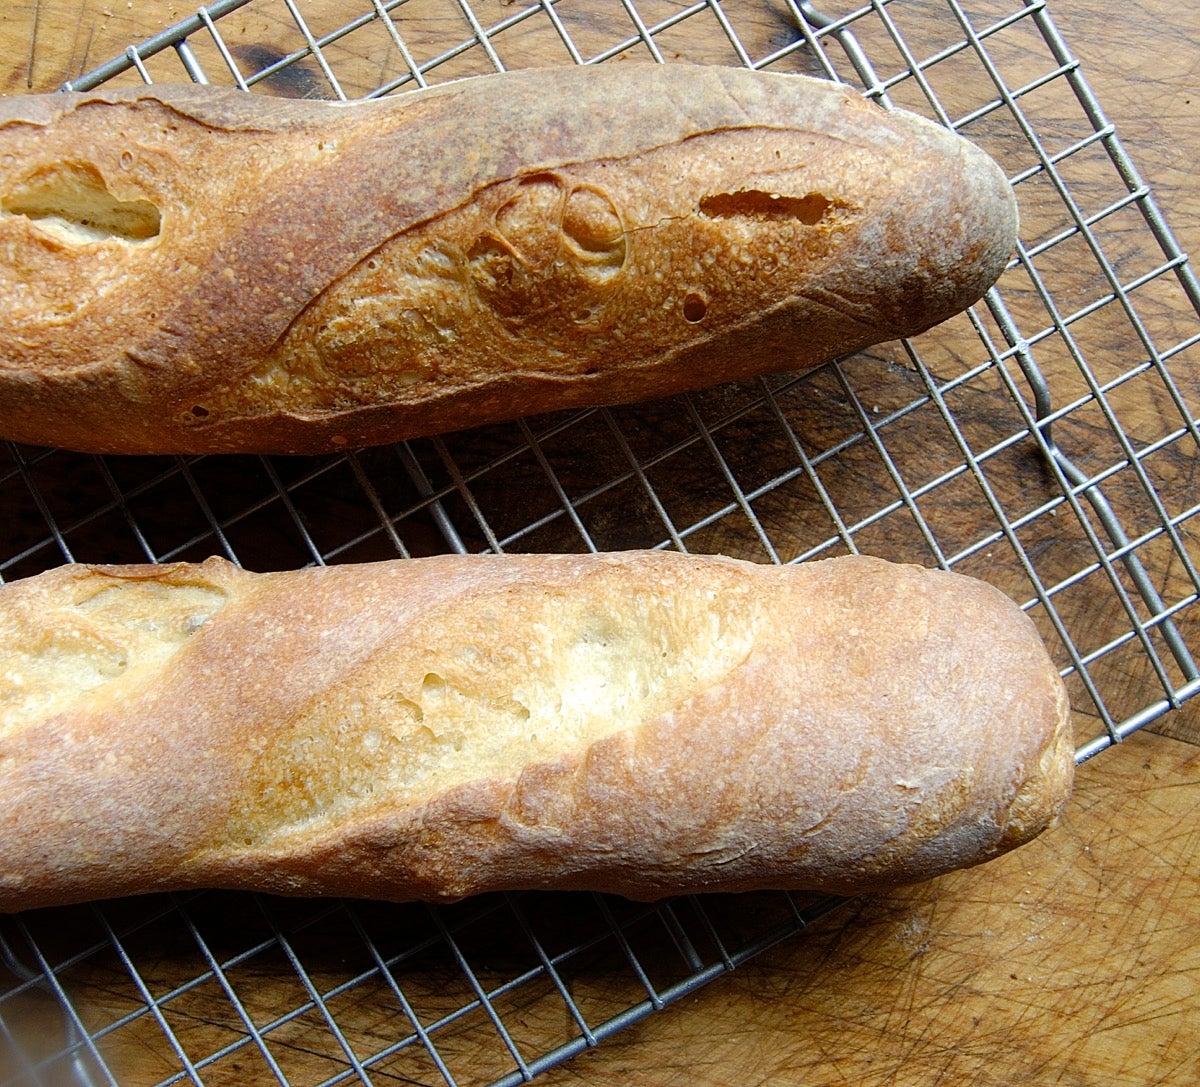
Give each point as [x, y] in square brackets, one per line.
[642, 723]
[191, 270]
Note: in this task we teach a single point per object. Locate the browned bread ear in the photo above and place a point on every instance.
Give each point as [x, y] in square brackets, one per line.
[192, 270]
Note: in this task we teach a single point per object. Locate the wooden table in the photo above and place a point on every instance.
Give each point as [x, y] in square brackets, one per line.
[1074, 961]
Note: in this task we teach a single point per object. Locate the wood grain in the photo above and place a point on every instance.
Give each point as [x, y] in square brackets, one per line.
[1071, 962]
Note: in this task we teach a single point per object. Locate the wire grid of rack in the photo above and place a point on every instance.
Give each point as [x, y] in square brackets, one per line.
[1042, 441]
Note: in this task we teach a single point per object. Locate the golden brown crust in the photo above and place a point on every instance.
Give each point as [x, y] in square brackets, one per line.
[494, 247]
[660, 724]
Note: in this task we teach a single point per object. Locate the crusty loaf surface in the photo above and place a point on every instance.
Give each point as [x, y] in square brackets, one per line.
[643, 723]
[186, 269]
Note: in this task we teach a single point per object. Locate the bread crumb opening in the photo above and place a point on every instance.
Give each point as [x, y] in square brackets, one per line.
[71, 202]
[809, 209]
[694, 308]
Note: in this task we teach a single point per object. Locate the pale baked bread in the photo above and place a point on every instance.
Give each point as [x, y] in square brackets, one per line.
[644, 723]
[190, 270]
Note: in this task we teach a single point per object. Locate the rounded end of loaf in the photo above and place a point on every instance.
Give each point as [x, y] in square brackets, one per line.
[948, 231]
[961, 723]
[974, 238]
[991, 764]
[1047, 788]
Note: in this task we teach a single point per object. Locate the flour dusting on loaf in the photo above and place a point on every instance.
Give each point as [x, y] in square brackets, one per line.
[185, 269]
[645, 723]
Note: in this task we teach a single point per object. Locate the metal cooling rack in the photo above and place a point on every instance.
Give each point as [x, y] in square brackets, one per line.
[1042, 442]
